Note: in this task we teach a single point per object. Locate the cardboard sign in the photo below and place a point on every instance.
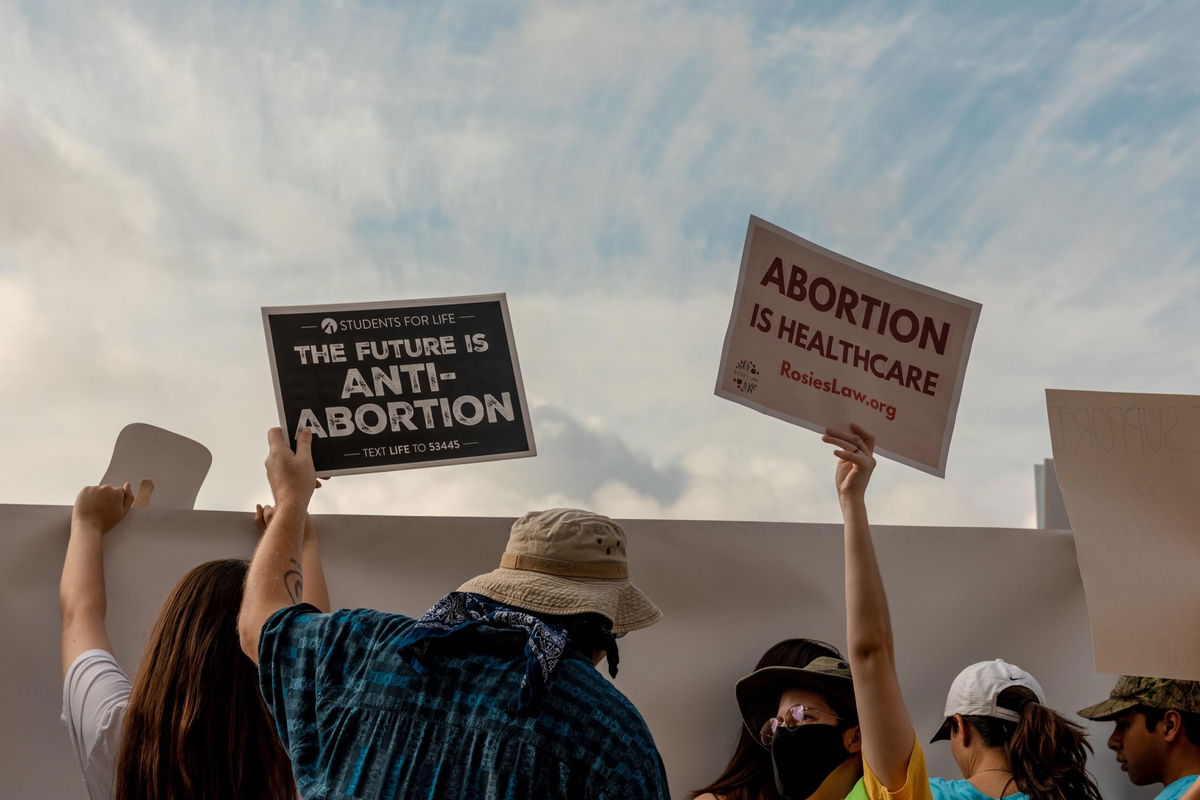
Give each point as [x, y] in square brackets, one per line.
[398, 385]
[1129, 468]
[176, 464]
[822, 341]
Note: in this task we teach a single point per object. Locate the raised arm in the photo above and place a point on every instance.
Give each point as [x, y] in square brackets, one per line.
[887, 729]
[81, 596]
[276, 576]
[315, 590]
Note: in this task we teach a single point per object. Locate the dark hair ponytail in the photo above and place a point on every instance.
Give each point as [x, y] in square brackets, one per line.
[1046, 752]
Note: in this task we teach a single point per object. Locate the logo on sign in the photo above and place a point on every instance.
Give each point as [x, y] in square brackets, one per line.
[745, 376]
[329, 325]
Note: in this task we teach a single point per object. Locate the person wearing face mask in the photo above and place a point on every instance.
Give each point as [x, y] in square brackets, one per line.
[806, 719]
[1006, 742]
[749, 774]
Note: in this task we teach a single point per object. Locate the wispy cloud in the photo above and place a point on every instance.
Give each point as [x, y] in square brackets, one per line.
[167, 171]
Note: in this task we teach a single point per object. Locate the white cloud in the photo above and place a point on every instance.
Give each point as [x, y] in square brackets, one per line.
[168, 174]
[579, 466]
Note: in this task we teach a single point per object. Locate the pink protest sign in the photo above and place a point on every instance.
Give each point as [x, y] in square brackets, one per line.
[823, 341]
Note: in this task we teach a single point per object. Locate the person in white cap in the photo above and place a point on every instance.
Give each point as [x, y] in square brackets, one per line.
[492, 694]
[1002, 733]
[1006, 742]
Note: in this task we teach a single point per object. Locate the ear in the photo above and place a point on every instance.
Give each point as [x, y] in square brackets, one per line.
[961, 729]
[1172, 725]
[852, 739]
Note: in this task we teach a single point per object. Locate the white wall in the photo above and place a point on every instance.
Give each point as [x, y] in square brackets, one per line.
[728, 591]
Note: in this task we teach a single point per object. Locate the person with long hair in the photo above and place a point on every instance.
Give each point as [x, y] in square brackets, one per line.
[1006, 741]
[749, 775]
[192, 724]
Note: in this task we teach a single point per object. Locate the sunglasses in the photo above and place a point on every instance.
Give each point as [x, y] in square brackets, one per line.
[793, 718]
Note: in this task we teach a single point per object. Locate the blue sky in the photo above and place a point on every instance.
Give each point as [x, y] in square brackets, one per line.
[166, 170]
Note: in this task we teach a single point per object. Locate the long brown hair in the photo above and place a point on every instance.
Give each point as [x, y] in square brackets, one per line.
[748, 774]
[1046, 752]
[196, 725]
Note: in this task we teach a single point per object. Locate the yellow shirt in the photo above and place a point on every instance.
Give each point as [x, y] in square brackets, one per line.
[916, 782]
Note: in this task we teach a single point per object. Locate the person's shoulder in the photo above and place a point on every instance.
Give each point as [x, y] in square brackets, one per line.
[960, 789]
[306, 613]
[91, 659]
[585, 686]
[96, 672]
[581, 693]
[361, 616]
[96, 694]
[950, 789]
[917, 785]
[1178, 789]
[304, 625]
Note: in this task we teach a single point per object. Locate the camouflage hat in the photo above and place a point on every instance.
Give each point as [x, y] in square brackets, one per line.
[1132, 691]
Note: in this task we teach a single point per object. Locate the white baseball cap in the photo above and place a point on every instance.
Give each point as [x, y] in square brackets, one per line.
[976, 689]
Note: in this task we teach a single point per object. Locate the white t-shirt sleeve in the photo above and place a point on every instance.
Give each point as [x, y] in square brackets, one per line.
[95, 694]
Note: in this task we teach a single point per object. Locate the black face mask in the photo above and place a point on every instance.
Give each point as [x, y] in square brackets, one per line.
[803, 757]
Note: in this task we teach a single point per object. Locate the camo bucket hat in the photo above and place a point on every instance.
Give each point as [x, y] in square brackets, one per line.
[1133, 690]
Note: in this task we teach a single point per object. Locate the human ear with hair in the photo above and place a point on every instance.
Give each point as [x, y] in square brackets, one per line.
[852, 739]
[1172, 724]
[961, 732]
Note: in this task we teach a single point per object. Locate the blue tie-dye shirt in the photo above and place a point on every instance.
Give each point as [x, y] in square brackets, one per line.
[360, 720]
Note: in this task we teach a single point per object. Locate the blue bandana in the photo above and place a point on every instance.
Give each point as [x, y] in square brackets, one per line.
[545, 641]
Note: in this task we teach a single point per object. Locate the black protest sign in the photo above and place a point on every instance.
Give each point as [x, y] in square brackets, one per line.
[402, 384]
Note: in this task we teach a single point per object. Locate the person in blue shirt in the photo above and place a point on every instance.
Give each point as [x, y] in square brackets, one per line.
[492, 694]
[751, 773]
[1007, 742]
[1156, 734]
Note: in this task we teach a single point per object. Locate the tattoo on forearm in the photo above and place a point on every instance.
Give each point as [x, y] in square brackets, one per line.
[293, 581]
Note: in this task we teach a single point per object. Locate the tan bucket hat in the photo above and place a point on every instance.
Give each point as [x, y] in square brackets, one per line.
[567, 561]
